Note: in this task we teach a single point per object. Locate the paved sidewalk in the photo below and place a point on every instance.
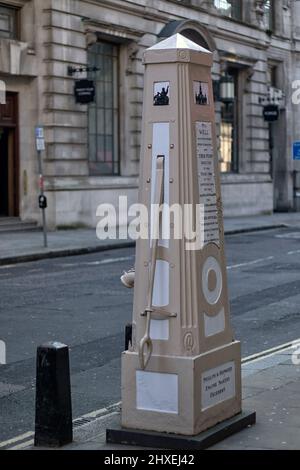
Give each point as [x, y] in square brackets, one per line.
[20, 247]
[271, 387]
[28, 246]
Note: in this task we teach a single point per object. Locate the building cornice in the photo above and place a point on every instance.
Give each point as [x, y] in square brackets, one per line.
[137, 10]
[120, 31]
[15, 3]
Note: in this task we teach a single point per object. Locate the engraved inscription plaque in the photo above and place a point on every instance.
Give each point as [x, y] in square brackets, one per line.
[218, 385]
[206, 180]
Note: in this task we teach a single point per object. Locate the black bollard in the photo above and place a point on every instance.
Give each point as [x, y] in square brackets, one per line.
[128, 336]
[53, 413]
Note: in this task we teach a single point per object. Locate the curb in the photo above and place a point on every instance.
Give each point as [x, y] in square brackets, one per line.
[62, 253]
[255, 229]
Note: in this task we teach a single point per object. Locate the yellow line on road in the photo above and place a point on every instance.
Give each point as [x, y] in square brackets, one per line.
[16, 439]
[24, 445]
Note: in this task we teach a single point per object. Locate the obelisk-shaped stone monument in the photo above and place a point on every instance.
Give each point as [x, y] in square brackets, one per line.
[183, 372]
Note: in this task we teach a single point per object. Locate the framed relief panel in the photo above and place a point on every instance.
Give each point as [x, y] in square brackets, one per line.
[161, 95]
[201, 93]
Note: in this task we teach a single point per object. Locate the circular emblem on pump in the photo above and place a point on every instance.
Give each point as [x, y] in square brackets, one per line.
[212, 280]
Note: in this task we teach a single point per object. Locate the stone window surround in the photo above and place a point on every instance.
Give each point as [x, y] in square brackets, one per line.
[22, 46]
[125, 37]
[106, 104]
[17, 5]
[245, 71]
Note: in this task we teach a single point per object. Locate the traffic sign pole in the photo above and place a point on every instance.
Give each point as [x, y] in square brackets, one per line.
[41, 199]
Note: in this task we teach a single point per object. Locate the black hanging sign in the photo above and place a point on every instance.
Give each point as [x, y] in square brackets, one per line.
[271, 113]
[84, 91]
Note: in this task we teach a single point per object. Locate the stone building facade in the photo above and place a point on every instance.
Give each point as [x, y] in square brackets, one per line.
[93, 151]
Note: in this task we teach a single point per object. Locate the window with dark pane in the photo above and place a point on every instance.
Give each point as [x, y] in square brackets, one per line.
[230, 8]
[104, 112]
[8, 22]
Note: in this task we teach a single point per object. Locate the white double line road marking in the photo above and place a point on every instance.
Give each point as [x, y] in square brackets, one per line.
[24, 445]
[17, 439]
[270, 352]
[296, 252]
[250, 263]
[97, 263]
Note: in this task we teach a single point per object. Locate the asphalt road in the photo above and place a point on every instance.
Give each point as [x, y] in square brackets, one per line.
[80, 301]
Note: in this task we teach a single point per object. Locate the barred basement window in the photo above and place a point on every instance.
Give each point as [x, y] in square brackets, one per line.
[104, 113]
[8, 22]
[230, 8]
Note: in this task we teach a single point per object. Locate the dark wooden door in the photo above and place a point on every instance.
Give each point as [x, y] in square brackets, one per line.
[9, 157]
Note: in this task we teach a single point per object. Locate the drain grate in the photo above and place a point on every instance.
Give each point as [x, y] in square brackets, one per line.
[82, 421]
[90, 419]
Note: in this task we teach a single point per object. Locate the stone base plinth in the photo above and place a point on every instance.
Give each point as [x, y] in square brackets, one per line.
[181, 395]
[202, 441]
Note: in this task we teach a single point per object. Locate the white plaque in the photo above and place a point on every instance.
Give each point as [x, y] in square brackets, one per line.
[160, 330]
[161, 289]
[218, 385]
[214, 325]
[161, 146]
[157, 392]
[204, 130]
[206, 181]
